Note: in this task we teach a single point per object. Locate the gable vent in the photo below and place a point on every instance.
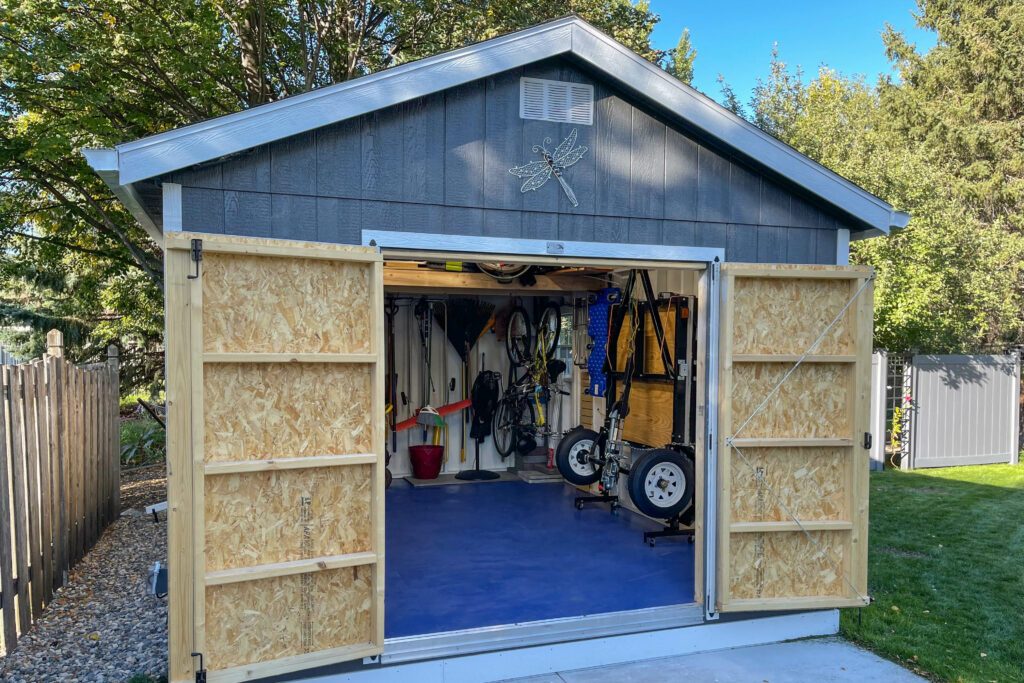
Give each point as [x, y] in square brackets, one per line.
[558, 101]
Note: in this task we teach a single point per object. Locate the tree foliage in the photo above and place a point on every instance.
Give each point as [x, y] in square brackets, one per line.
[680, 59]
[937, 144]
[79, 74]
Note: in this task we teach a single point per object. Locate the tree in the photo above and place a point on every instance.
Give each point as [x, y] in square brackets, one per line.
[680, 60]
[729, 99]
[962, 103]
[76, 74]
[948, 282]
[778, 102]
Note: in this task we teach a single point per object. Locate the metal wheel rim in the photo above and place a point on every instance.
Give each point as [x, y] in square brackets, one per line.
[584, 469]
[665, 484]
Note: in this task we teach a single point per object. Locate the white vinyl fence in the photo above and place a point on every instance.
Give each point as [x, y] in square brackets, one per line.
[957, 409]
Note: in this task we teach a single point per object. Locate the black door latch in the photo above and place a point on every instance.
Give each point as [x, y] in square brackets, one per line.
[867, 440]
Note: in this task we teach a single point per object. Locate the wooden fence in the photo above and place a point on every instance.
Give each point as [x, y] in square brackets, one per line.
[59, 475]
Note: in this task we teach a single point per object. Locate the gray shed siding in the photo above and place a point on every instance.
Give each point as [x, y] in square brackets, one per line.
[440, 164]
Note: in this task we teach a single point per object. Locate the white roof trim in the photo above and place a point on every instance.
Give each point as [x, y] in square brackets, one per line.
[104, 162]
[159, 154]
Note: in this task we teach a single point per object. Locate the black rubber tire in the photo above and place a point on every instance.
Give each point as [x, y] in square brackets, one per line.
[565, 446]
[638, 477]
[518, 346]
[526, 419]
[551, 342]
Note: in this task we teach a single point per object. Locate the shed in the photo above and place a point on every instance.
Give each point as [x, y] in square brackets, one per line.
[314, 248]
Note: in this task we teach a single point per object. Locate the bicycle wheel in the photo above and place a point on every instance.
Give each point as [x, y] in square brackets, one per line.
[517, 336]
[548, 328]
[512, 417]
[504, 428]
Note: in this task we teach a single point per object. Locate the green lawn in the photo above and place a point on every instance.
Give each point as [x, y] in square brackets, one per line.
[946, 571]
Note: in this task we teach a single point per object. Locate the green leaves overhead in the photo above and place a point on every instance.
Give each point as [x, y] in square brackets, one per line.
[76, 74]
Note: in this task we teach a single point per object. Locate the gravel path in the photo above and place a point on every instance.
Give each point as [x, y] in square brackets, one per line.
[102, 625]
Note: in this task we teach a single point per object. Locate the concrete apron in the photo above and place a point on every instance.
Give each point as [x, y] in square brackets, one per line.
[820, 660]
[598, 652]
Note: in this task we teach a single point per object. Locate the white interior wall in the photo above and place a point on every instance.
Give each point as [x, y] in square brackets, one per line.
[489, 353]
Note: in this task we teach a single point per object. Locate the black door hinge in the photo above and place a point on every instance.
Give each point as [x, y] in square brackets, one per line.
[197, 256]
[201, 671]
[867, 440]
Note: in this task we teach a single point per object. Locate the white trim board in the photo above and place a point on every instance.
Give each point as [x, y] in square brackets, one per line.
[583, 654]
[521, 246]
[184, 147]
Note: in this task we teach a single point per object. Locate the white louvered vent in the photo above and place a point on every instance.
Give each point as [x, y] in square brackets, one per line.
[558, 101]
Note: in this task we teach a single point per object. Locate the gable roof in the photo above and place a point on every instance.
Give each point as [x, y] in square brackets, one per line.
[173, 150]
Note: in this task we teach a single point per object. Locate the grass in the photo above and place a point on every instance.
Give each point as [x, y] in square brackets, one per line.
[946, 571]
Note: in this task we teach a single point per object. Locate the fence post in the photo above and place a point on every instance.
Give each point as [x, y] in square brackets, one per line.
[1015, 455]
[114, 361]
[55, 375]
[879, 373]
[55, 343]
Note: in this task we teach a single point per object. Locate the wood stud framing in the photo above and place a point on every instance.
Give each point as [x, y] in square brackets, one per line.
[286, 522]
[793, 483]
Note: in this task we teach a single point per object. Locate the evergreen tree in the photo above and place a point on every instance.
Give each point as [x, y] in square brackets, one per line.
[680, 60]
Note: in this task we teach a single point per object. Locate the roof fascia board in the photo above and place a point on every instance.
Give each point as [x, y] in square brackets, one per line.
[636, 73]
[183, 147]
[104, 162]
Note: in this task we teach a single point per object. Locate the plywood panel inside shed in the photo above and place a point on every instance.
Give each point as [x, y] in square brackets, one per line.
[785, 316]
[257, 411]
[653, 363]
[264, 304]
[266, 517]
[813, 402]
[264, 620]
[807, 483]
[650, 413]
[787, 564]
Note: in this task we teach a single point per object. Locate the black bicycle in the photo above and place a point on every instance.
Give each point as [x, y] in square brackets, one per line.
[520, 419]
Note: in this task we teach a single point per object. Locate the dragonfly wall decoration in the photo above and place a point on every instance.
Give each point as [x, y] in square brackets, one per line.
[553, 164]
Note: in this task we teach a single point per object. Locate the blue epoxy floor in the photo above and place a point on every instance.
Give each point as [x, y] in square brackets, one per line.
[475, 555]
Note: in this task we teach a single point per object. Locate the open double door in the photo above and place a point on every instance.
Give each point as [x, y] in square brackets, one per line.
[275, 389]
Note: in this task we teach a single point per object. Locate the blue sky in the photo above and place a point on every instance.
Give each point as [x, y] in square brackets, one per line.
[734, 37]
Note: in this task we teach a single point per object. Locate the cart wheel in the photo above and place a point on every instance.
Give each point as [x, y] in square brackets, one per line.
[690, 539]
[650, 542]
[613, 508]
[578, 504]
[572, 457]
[661, 484]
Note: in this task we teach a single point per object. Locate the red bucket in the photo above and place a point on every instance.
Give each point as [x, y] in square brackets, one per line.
[426, 461]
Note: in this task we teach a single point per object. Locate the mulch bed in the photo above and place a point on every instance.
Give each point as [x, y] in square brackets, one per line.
[103, 625]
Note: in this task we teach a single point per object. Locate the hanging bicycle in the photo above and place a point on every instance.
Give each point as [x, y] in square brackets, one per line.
[520, 417]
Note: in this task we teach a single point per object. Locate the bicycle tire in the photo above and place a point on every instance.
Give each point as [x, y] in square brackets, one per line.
[550, 322]
[507, 427]
[517, 336]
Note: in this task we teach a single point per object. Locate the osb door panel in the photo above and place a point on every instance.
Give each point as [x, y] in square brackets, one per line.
[276, 455]
[793, 412]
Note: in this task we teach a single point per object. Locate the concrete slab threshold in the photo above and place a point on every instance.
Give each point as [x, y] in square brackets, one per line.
[590, 653]
[825, 660]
